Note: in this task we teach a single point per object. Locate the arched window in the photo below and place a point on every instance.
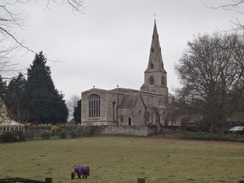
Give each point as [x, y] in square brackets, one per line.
[151, 80]
[151, 65]
[152, 49]
[94, 106]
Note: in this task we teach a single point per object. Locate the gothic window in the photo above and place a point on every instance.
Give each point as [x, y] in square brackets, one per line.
[152, 49]
[151, 65]
[151, 80]
[94, 106]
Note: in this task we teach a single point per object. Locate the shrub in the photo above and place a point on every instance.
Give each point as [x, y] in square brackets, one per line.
[63, 135]
[73, 134]
[45, 135]
[8, 137]
[20, 135]
[55, 129]
[30, 136]
[82, 131]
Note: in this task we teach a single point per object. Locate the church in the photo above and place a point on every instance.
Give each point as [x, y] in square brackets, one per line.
[120, 106]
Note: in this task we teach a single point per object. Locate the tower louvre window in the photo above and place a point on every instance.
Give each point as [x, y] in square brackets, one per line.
[151, 65]
[151, 80]
[163, 81]
[94, 106]
[152, 49]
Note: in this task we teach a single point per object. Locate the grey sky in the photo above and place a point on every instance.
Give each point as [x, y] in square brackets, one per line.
[108, 45]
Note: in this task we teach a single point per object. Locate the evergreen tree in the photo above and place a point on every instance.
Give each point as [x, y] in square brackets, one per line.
[42, 100]
[14, 98]
[77, 112]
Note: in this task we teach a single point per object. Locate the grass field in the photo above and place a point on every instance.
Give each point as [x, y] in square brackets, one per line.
[115, 159]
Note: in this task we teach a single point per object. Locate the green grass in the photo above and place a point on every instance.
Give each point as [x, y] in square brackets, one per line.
[115, 159]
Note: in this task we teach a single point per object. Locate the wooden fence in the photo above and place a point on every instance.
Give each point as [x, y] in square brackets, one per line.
[50, 180]
[17, 179]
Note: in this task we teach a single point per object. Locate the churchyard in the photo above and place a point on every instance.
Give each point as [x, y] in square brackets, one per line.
[118, 159]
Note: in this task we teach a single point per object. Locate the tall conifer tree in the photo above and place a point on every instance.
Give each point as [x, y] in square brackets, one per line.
[77, 112]
[14, 98]
[43, 101]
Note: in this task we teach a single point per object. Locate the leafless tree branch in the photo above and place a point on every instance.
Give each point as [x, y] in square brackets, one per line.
[9, 43]
[234, 5]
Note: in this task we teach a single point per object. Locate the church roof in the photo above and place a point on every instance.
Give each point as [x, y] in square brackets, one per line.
[128, 101]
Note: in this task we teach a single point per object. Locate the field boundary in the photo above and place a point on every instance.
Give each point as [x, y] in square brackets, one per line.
[18, 179]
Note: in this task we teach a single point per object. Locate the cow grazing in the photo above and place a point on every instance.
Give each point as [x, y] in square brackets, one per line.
[81, 170]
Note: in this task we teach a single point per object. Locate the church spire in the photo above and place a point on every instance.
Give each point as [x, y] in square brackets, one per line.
[155, 57]
[155, 76]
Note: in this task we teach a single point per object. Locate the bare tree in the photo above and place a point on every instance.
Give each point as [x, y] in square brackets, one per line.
[237, 6]
[71, 104]
[9, 20]
[211, 71]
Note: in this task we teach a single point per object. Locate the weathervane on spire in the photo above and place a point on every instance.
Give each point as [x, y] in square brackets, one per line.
[154, 17]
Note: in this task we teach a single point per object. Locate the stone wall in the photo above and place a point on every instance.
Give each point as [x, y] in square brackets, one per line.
[124, 130]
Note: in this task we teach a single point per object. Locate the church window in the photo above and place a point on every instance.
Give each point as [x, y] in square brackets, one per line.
[114, 111]
[121, 118]
[151, 65]
[140, 116]
[151, 80]
[94, 106]
[152, 49]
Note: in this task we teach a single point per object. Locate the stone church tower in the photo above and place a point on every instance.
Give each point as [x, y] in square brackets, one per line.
[155, 76]
[125, 107]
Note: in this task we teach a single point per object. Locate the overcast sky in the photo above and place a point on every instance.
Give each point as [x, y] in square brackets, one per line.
[108, 44]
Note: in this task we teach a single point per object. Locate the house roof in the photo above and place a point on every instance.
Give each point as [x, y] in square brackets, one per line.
[10, 123]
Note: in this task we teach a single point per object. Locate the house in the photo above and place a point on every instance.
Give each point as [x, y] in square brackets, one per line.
[7, 124]
[3, 111]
